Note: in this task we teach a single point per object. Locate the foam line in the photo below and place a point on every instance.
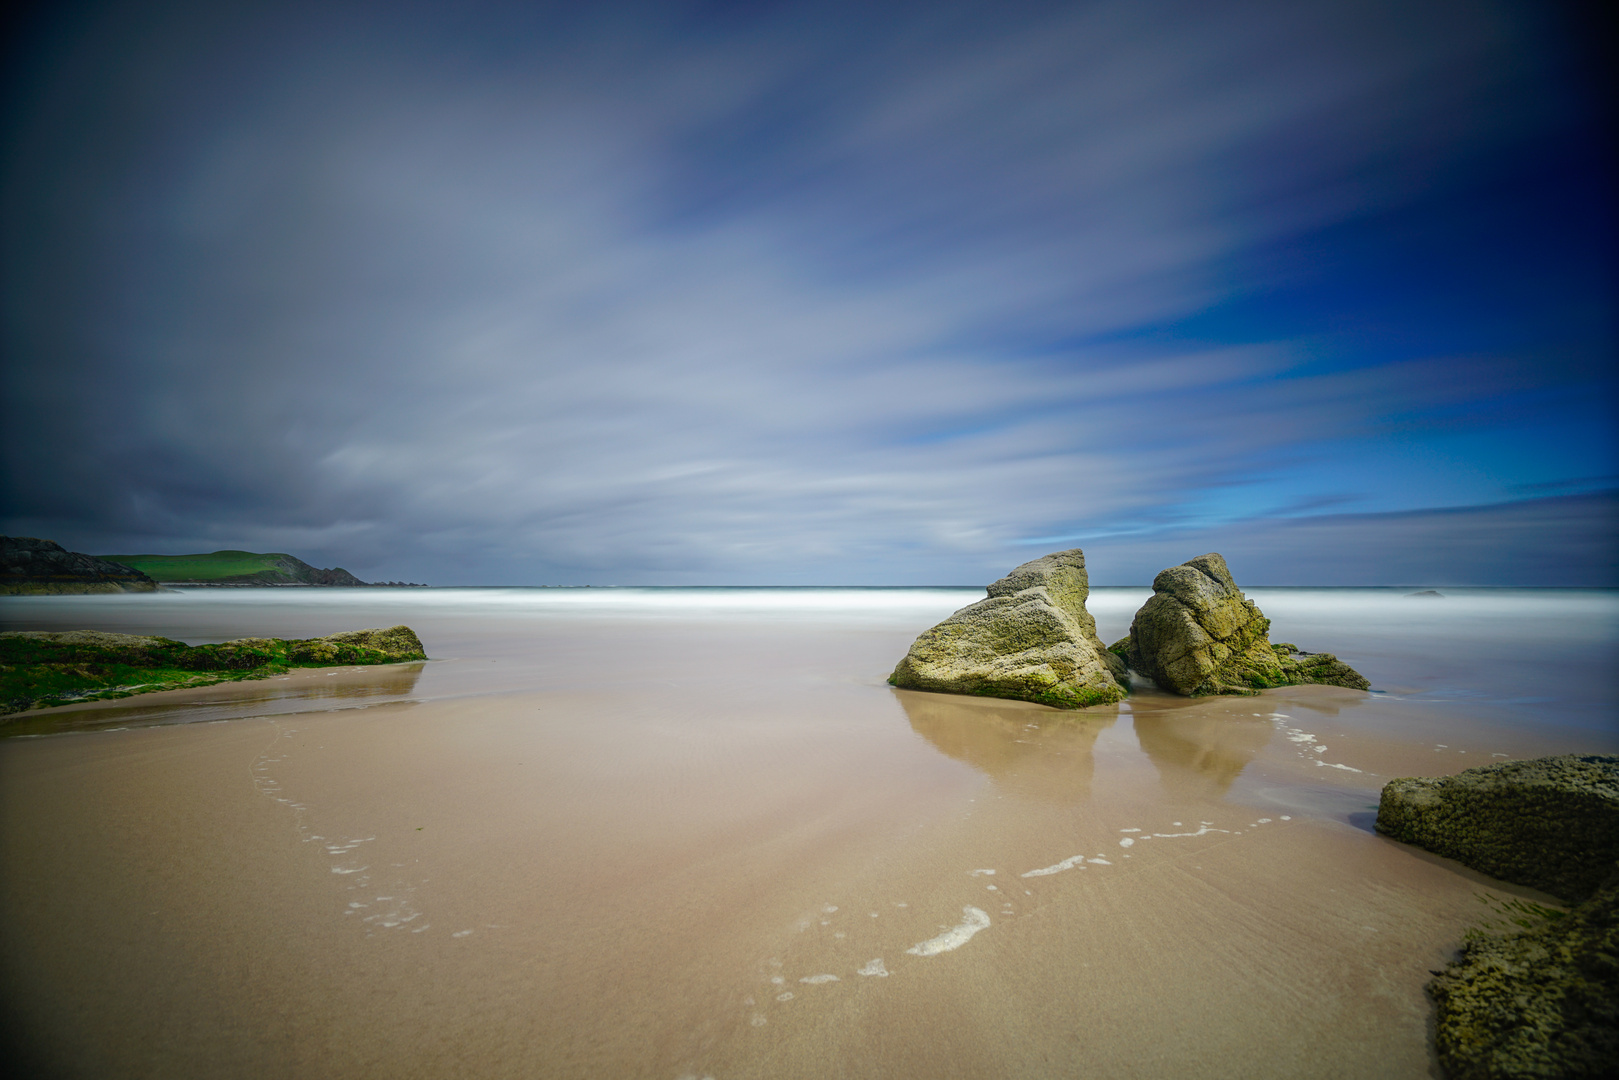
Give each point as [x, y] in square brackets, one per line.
[954, 938]
[1056, 868]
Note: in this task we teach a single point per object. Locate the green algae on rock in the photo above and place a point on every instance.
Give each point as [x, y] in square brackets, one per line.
[1550, 823]
[1541, 1003]
[1544, 1002]
[1322, 668]
[1030, 639]
[1197, 634]
[39, 669]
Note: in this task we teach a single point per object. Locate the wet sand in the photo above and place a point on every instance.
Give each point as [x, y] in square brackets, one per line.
[666, 850]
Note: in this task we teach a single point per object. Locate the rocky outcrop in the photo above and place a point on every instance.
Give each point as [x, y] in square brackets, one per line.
[1322, 668]
[1198, 634]
[1551, 823]
[317, 576]
[1536, 1004]
[31, 567]
[1031, 639]
[44, 668]
[1543, 1002]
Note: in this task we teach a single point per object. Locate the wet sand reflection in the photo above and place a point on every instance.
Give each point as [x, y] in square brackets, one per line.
[300, 690]
[1200, 753]
[1029, 749]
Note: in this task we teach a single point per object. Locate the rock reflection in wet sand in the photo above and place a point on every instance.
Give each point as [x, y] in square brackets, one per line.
[1199, 753]
[300, 690]
[1030, 749]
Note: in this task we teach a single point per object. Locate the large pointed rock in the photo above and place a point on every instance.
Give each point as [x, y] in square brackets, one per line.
[1199, 635]
[1030, 639]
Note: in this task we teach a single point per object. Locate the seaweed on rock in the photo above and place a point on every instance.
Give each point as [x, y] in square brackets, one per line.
[39, 669]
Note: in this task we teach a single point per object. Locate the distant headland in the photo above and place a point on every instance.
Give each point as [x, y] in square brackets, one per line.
[33, 567]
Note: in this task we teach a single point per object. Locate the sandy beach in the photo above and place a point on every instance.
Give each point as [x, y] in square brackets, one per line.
[685, 841]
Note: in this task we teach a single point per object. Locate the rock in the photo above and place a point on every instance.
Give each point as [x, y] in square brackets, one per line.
[1430, 593]
[396, 643]
[1198, 634]
[1031, 639]
[1550, 823]
[43, 668]
[1321, 667]
[1543, 1003]
[31, 567]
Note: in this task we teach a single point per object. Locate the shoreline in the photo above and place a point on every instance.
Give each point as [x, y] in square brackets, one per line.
[615, 832]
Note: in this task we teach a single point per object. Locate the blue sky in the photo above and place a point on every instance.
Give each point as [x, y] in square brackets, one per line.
[815, 293]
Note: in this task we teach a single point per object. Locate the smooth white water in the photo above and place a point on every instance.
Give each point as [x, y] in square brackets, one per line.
[1512, 656]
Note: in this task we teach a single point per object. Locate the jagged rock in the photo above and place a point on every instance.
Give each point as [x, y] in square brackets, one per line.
[1030, 639]
[1551, 823]
[32, 567]
[1198, 634]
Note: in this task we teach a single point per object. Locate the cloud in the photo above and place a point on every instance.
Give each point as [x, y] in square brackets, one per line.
[637, 295]
[1557, 542]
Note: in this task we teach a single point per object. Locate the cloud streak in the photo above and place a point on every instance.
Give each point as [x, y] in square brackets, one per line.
[813, 294]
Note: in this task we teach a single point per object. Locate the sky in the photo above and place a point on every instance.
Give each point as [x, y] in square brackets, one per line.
[815, 293]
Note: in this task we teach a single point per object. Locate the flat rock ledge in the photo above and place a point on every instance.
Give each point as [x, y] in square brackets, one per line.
[1550, 823]
[39, 669]
[1030, 639]
[1544, 1002]
[1197, 634]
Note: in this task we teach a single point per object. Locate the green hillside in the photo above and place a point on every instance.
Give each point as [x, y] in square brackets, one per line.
[243, 567]
[221, 564]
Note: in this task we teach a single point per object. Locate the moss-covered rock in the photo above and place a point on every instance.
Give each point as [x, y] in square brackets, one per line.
[1551, 823]
[1545, 1002]
[40, 669]
[1197, 634]
[1322, 667]
[1538, 1004]
[1542, 1003]
[1030, 639]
